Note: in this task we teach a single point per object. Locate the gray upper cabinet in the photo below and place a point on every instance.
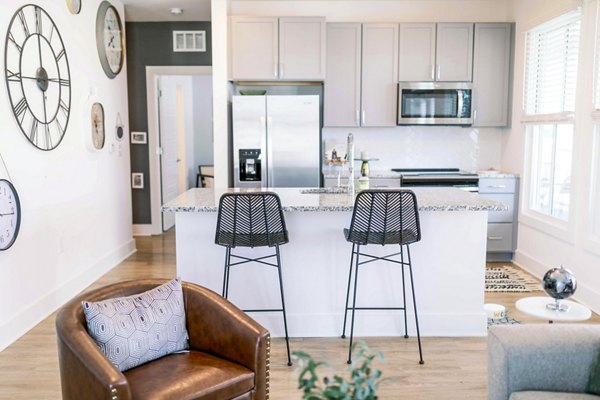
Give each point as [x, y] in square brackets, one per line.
[491, 74]
[302, 48]
[361, 80]
[454, 53]
[254, 48]
[417, 53]
[270, 48]
[379, 74]
[342, 80]
[436, 52]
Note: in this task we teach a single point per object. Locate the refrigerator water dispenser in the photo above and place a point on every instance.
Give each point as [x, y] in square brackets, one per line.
[250, 169]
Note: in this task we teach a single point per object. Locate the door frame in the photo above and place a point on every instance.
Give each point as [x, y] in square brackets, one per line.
[152, 72]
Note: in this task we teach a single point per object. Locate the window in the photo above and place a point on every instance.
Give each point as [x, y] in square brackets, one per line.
[549, 108]
[550, 179]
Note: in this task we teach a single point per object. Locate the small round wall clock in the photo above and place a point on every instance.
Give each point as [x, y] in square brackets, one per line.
[98, 135]
[74, 6]
[109, 39]
[37, 77]
[10, 214]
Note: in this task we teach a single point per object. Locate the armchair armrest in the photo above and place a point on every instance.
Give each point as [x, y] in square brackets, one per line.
[81, 361]
[218, 327]
[552, 357]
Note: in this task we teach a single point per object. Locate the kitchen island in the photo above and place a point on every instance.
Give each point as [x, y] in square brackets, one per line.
[448, 264]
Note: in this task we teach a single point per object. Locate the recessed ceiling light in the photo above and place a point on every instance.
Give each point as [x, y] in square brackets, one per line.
[176, 11]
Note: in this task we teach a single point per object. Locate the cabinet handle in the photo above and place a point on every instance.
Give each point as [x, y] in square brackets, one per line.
[496, 186]
[495, 238]
[275, 67]
[439, 72]
[474, 116]
[357, 119]
[281, 71]
[432, 72]
[364, 117]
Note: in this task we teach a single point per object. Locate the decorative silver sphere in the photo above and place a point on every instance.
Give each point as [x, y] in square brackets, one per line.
[559, 283]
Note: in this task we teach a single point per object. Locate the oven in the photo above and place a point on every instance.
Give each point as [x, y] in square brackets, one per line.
[438, 177]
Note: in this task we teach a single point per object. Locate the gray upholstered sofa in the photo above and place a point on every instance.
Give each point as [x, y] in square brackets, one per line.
[541, 361]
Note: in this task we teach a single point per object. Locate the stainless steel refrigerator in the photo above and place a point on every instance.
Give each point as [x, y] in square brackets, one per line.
[276, 141]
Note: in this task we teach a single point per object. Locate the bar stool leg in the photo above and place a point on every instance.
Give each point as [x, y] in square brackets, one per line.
[412, 284]
[348, 292]
[287, 339]
[353, 305]
[225, 292]
[404, 292]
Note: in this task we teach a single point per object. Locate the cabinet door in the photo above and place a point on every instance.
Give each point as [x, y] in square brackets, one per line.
[254, 48]
[342, 80]
[302, 48]
[379, 74]
[491, 72]
[417, 53]
[454, 52]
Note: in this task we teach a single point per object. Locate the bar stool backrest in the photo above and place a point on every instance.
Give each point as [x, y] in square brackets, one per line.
[250, 220]
[385, 217]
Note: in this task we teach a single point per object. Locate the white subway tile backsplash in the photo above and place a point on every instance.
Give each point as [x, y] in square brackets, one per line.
[471, 149]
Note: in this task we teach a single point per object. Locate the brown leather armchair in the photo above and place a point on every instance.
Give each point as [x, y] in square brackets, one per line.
[228, 357]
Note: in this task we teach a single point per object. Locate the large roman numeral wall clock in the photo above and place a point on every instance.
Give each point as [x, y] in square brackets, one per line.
[37, 77]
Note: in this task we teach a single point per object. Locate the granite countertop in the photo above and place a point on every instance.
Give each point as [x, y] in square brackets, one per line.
[292, 199]
[488, 173]
[494, 173]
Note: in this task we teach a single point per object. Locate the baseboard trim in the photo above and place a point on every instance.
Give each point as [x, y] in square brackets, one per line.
[17, 326]
[143, 230]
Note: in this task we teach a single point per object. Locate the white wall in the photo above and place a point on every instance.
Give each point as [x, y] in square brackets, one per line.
[542, 245]
[379, 10]
[76, 203]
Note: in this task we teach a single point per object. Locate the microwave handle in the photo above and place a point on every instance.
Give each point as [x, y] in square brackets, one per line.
[460, 94]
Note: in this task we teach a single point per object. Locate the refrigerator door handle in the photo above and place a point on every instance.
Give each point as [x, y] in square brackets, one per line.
[268, 182]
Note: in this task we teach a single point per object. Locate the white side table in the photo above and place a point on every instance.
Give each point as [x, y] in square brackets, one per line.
[536, 307]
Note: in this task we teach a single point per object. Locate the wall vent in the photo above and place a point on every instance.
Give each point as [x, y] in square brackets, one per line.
[189, 41]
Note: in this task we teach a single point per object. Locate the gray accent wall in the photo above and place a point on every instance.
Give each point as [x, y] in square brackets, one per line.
[151, 44]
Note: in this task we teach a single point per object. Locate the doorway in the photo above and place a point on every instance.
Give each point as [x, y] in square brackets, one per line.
[180, 134]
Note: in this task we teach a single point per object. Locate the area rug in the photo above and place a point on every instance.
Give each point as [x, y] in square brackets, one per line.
[509, 279]
[502, 321]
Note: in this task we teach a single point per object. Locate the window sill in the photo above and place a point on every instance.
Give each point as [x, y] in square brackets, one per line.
[551, 226]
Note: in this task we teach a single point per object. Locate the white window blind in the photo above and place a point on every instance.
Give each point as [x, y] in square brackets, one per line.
[551, 69]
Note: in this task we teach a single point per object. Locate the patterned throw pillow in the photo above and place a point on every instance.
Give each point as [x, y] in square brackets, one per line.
[133, 330]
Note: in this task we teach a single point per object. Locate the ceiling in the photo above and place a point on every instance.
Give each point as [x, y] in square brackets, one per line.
[158, 10]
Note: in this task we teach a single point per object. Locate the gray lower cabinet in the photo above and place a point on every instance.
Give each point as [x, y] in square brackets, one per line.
[502, 225]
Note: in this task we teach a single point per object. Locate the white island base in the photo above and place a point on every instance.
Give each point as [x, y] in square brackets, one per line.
[448, 266]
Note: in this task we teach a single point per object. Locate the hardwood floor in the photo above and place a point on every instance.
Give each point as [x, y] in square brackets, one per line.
[455, 368]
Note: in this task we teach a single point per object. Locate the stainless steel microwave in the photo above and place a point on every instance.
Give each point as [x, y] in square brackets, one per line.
[435, 103]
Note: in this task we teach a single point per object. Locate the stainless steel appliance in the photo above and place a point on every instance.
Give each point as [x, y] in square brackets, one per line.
[276, 141]
[434, 103]
[432, 177]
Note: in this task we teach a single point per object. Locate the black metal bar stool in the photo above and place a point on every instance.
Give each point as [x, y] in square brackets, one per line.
[252, 220]
[385, 217]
